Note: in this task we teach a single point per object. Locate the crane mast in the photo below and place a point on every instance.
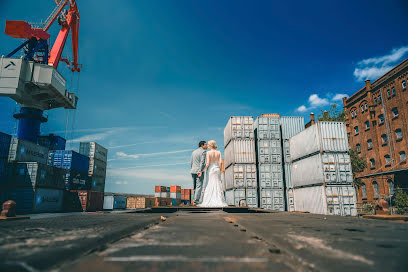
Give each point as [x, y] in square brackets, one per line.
[33, 80]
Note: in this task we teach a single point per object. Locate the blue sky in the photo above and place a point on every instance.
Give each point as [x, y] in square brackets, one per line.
[158, 76]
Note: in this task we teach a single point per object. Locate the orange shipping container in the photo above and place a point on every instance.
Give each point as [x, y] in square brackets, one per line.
[90, 200]
[175, 189]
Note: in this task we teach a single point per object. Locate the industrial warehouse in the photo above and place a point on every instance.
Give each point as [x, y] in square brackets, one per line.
[203, 136]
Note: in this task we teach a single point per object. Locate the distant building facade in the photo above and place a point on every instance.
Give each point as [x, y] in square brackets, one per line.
[376, 121]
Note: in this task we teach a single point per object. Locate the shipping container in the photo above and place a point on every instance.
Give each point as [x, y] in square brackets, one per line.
[91, 201]
[159, 189]
[268, 151]
[52, 142]
[288, 175]
[162, 201]
[291, 125]
[77, 180]
[241, 176]
[270, 176]
[139, 202]
[267, 128]
[239, 127]
[3, 171]
[328, 200]
[97, 167]
[240, 151]
[242, 197]
[112, 202]
[290, 200]
[40, 200]
[176, 195]
[5, 140]
[175, 189]
[286, 151]
[94, 150]
[33, 174]
[71, 202]
[97, 184]
[323, 168]
[175, 202]
[320, 137]
[25, 151]
[69, 159]
[272, 199]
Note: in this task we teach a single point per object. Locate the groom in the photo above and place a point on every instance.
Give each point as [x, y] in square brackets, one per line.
[197, 166]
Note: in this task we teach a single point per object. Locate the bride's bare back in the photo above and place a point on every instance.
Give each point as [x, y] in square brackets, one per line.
[213, 156]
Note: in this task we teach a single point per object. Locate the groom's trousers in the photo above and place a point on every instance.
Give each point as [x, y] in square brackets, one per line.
[198, 187]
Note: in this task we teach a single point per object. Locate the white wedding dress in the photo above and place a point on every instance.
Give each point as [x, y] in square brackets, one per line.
[213, 193]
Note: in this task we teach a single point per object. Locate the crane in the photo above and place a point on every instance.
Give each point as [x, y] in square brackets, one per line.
[33, 80]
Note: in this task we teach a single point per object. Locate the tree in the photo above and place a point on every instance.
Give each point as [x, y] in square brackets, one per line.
[400, 200]
[358, 165]
[333, 114]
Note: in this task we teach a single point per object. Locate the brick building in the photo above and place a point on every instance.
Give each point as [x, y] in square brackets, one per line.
[376, 120]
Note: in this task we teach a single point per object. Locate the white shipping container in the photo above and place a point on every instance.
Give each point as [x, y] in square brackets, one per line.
[290, 200]
[93, 150]
[25, 151]
[240, 151]
[239, 127]
[242, 197]
[157, 194]
[322, 168]
[291, 125]
[320, 137]
[165, 194]
[241, 176]
[288, 175]
[108, 202]
[286, 151]
[272, 199]
[328, 200]
[175, 195]
[267, 128]
[270, 176]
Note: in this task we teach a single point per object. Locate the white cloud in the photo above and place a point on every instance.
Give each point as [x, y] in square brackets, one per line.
[339, 97]
[150, 174]
[375, 67]
[156, 165]
[316, 101]
[126, 156]
[302, 108]
[123, 155]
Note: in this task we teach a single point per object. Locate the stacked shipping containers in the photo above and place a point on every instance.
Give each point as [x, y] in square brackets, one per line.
[269, 162]
[321, 170]
[290, 126]
[175, 194]
[98, 156]
[240, 163]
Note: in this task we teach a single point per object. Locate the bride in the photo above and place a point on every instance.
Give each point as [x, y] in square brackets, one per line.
[213, 194]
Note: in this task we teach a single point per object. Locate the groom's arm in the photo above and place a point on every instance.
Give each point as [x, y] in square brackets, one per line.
[203, 160]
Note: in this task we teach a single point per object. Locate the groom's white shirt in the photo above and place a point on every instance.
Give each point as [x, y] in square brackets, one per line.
[197, 160]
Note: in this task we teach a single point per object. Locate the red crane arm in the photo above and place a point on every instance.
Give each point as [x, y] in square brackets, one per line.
[71, 22]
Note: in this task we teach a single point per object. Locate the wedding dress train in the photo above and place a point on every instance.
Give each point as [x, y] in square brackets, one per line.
[213, 193]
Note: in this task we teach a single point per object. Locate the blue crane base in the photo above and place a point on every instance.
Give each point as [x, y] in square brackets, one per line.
[29, 122]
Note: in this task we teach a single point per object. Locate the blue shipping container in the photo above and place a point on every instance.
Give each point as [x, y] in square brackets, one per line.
[4, 145]
[68, 159]
[39, 200]
[3, 171]
[52, 142]
[76, 180]
[119, 202]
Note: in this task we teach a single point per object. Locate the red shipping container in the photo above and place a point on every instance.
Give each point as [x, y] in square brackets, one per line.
[175, 189]
[162, 201]
[159, 189]
[90, 200]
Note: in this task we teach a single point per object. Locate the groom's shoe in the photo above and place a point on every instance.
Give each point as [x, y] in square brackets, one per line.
[194, 204]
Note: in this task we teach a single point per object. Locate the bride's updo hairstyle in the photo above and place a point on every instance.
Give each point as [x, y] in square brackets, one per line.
[212, 144]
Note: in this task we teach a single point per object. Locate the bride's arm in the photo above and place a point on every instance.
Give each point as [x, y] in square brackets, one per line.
[207, 162]
[220, 160]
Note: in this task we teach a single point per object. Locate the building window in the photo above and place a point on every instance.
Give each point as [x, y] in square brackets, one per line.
[387, 159]
[367, 124]
[389, 93]
[364, 190]
[398, 133]
[381, 118]
[370, 144]
[391, 187]
[372, 161]
[352, 114]
[375, 100]
[403, 156]
[384, 138]
[393, 91]
[404, 84]
[375, 185]
[362, 108]
[356, 130]
[380, 99]
[395, 111]
[365, 106]
[358, 147]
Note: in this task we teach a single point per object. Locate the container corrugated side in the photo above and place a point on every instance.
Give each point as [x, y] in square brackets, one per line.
[25, 151]
[240, 151]
[108, 203]
[242, 197]
[239, 127]
[98, 184]
[272, 199]
[268, 151]
[3, 171]
[326, 168]
[241, 176]
[328, 200]
[94, 150]
[270, 176]
[290, 200]
[119, 202]
[91, 200]
[77, 180]
[267, 128]
[288, 175]
[32, 174]
[69, 159]
[291, 125]
[320, 137]
[97, 167]
[5, 140]
[39, 200]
